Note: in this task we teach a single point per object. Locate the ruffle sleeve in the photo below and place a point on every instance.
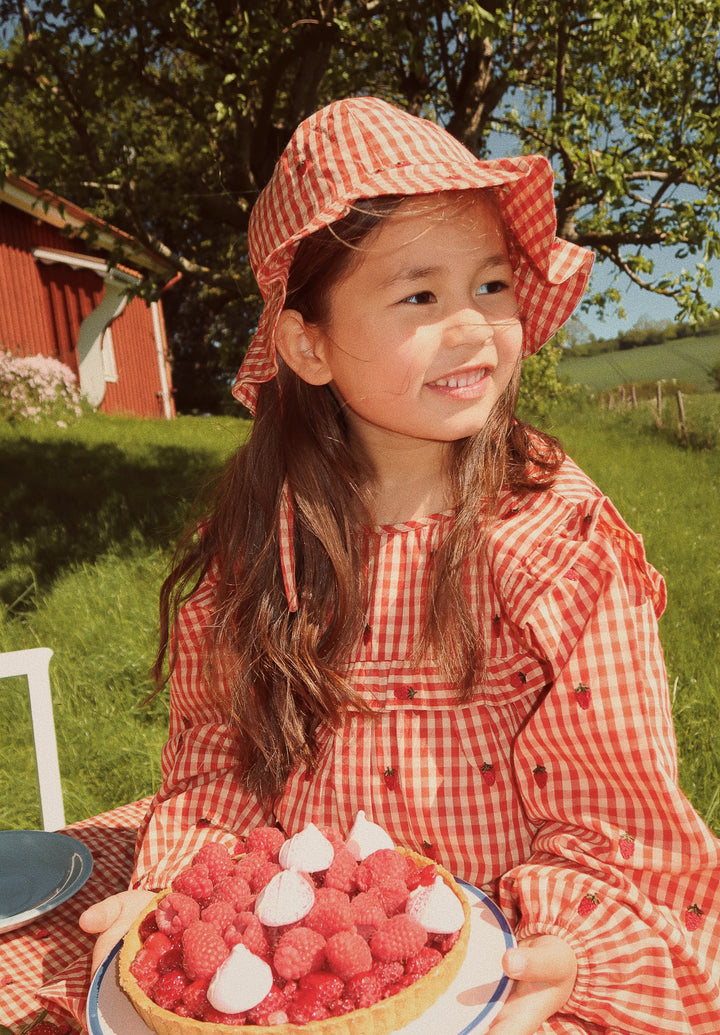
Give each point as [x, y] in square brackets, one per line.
[621, 865]
[200, 797]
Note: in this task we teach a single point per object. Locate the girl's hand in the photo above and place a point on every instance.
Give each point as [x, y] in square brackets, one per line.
[111, 919]
[544, 969]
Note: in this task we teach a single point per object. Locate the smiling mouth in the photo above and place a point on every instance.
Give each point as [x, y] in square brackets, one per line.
[471, 377]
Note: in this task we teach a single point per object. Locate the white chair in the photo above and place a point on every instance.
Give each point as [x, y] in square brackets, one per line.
[35, 664]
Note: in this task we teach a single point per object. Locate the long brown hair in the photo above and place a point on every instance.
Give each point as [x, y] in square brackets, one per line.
[285, 669]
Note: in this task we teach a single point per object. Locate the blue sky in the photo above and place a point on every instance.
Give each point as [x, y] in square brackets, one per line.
[637, 302]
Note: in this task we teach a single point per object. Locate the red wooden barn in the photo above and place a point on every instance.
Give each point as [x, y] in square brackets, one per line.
[64, 298]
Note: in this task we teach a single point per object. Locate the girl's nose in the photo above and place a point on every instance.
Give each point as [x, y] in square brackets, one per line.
[467, 328]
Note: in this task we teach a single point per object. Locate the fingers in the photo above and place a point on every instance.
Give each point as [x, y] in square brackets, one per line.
[544, 970]
[541, 960]
[111, 919]
[101, 915]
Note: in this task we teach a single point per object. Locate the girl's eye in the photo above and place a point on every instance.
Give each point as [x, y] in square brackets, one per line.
[420, 298]
[493, 287]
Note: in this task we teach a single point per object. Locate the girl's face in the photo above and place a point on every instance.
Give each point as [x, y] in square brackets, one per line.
[422, 334]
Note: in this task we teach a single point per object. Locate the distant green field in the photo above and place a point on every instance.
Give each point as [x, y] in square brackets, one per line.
[687, 359]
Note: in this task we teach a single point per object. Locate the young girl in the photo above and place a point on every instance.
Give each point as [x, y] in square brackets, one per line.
[404, 600]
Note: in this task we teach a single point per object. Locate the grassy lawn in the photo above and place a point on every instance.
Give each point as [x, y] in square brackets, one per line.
[687, 360]
[87, 521]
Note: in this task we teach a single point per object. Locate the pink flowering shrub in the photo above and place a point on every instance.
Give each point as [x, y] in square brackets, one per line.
[37, 388]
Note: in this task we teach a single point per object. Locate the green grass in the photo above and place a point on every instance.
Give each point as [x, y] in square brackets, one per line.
[88, 517]
[688, 360]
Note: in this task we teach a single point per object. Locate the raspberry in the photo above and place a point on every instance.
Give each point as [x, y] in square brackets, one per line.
[273, 1002]
[367, 911]
[147, 926]
[348, 954]
[195, 883]
[170, 960]
[203, 950]
[334, 837]
[213, 1016]
[428, 875]
[169, 988]
[393, 895]
[341, 872]
[217, 858]
[364, 990]
[263, 875]
[176, 912]
[234, 890]
[327, 987]
[331, 912]
[194, 998]
[397, 938]
[397, 986]
[220, 914]
[298, 952]
[247, 866]
[265, 839]
[388, 973]
[157, 943]
[144, 970]
[306, 1007]
[384, 865]
[444, 942]
[246, 928]
[423, 962]
[342, 1006]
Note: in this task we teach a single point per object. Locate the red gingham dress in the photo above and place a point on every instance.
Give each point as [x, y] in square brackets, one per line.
[554, 789]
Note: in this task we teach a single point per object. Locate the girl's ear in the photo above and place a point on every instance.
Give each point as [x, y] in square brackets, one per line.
[301, 346]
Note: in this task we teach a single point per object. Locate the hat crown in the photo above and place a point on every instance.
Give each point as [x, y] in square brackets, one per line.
[350, 149]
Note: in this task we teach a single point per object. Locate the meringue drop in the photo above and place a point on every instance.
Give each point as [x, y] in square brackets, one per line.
[240, 982]
[366, 837]
[436, 908]
[288, 897]
[309, 851]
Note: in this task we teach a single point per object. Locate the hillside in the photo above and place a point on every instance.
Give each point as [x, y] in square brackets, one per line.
[686, 359]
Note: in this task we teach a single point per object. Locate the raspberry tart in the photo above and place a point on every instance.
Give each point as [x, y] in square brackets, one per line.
[313, 934]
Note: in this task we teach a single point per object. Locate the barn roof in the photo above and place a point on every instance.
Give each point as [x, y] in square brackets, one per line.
[27, 196]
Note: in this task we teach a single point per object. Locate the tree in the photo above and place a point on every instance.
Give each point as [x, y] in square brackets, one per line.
[167, 118]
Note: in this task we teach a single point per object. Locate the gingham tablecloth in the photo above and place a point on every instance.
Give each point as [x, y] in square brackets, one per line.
[45, 966]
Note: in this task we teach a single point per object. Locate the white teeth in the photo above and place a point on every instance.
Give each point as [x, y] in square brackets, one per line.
[462, 380]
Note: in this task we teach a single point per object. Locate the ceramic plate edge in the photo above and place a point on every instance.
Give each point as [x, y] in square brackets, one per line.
[66, 892]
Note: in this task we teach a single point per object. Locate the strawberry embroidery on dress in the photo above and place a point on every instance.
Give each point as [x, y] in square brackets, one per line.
[582, 695]
[588, 904]
[572, 575]
[428, 850]
[693, 917]
[487, 770]
[405, 693]
[540, 775]
[367, 635]
[626, 845]
[519, 679]
[391, 778]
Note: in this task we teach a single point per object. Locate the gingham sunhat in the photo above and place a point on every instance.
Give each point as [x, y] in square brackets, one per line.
[363, 147]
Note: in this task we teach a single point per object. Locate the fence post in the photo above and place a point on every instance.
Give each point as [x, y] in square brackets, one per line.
[681, 415]
[658, 396]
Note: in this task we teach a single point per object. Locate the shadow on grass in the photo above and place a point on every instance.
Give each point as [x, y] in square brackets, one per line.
[67, 503]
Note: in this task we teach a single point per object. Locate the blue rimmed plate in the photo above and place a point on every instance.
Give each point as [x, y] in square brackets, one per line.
[469, 1005]
[39, 870]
